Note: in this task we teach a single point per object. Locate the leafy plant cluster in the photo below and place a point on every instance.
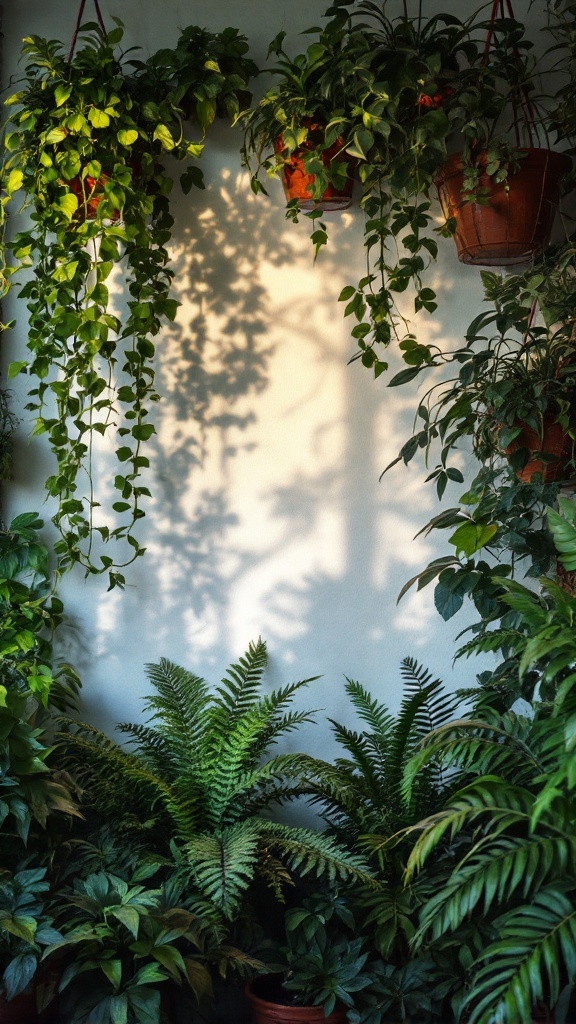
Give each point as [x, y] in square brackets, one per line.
[393, 91]
[85, 148]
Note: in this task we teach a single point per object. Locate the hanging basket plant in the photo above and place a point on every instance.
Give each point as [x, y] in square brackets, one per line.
[287, 133]
[514, 220]
[85, 148]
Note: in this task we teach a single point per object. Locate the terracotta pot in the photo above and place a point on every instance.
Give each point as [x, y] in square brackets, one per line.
[89, 195]
[517, 220]
[260, 993]
[298, 183]
[20, 1010]
[554, 441]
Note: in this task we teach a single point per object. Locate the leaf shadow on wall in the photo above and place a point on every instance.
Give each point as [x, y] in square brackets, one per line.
[213, 366]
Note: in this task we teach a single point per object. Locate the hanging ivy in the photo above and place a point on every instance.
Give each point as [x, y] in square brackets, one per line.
[85, 146]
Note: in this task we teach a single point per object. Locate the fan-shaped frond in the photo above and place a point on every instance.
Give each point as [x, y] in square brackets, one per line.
[495, 744]
[535, 951]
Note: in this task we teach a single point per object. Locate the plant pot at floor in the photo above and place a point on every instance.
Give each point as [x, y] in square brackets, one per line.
[299, 183]
[553, 441]
[516, 221]
[265, 995]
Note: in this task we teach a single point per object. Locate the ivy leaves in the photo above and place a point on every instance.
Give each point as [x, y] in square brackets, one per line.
[86, 148]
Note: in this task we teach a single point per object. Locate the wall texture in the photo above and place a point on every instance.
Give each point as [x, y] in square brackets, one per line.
[268, 516]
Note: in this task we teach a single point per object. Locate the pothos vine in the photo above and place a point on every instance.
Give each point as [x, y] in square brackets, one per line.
[85, 144]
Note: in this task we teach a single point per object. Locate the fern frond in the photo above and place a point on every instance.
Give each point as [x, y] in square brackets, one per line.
[224, 862]
[240, 686]
[366, 769]
[496, 869]
[116, 780]
[376, 715]
[153, 747]
[180, 703]
[307, 851]
[535, 952]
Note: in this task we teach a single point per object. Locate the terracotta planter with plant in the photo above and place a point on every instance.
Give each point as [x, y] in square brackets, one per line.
[300, 183]
[551, 451]
[271, 1004]
[513, 222]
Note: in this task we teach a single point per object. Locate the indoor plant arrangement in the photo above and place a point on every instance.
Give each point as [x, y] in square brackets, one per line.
[514, 383]
[85, 145]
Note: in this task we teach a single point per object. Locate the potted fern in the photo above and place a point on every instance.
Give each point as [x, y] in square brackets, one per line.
[204, 781]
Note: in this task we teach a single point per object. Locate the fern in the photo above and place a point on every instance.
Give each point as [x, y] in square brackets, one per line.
[198, 774]
[535, 953]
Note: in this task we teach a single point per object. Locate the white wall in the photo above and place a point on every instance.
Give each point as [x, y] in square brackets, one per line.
[268, 515]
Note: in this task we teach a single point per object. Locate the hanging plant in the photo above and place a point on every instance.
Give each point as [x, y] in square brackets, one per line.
[84, 146]
[396, 91]
[209, 72]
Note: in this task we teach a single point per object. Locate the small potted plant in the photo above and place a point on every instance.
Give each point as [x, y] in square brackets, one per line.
[287, 133]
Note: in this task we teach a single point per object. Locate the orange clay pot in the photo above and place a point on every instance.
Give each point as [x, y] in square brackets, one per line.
[554, 441]
[260, 994]
[517, 220]
[298, 184]
[89, 195]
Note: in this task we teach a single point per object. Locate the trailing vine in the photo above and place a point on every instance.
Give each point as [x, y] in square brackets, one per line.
[85, 143]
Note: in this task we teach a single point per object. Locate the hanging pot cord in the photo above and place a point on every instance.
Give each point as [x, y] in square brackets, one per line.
[79, 22]
[504, 8]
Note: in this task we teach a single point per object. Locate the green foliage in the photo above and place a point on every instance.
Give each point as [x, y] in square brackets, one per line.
[392, 90]
[8, 423]
[199, 776]
[85, 146]
[25, 927]
[122, 941]
[364, 792]
[209, 73]
[508, 837]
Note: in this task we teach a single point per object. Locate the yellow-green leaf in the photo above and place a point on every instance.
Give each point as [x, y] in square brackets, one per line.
[127, 136]
[68, 204]
[98, 118]
[164, 136]
[15, 179]
[61, 94]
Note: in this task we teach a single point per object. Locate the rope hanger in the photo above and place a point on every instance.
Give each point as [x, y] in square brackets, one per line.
[79, 22]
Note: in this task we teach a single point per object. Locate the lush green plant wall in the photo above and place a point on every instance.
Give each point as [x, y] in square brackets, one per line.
[267, 513]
